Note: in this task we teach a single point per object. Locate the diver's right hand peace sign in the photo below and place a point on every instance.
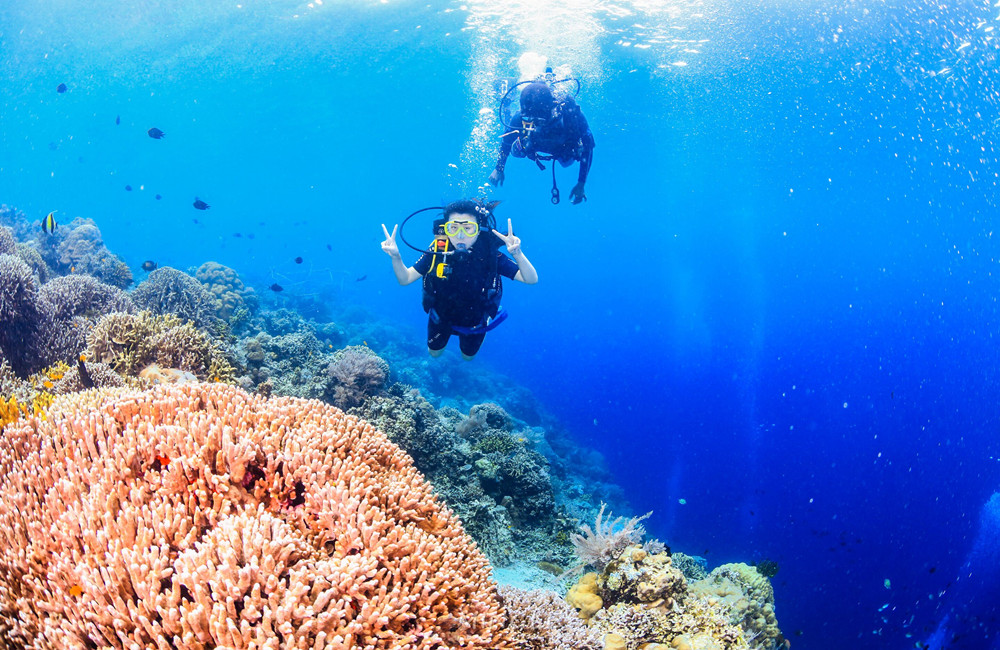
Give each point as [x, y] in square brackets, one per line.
[389, 245]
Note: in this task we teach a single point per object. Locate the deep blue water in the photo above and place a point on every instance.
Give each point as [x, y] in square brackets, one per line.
[778, 303]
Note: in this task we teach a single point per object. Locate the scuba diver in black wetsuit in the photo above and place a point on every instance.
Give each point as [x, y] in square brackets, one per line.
[547, 129]
[461, 274]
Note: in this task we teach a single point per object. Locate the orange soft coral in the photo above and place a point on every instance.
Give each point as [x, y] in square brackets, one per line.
[199, 516]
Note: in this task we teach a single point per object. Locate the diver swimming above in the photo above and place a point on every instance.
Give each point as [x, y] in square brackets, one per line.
[547, 128]
[461, 274]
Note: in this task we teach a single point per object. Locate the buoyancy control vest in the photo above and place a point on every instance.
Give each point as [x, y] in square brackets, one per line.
[470, 291]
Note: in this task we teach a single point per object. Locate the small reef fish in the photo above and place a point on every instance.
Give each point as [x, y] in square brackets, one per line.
[276, 287]
[149, 265]
[361, 279]
[76, 591]
[85, 378]
[329, 247]
[128, 188]
[298, 260]
[236, 234]
[250, 235]
[158, 197]
[155, 133]
[118, 120]
[49, 223]
[200, 205]
[61, 88]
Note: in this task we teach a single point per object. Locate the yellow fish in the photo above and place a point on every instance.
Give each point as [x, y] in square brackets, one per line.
[49, 223]
[76, 591]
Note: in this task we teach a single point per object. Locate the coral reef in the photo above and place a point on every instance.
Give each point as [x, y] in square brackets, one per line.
[356, 373]
[71, 306]
[129, 342]
[79, 248]
[636, 576]
[7, 244]
[19, 316]
[224, 283]
[540, 619]
[597, 546]
[169, 291]
[34, 260]
[200, 516]
[749, 598]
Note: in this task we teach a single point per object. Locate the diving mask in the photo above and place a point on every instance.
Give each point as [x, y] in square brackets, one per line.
[470, 228]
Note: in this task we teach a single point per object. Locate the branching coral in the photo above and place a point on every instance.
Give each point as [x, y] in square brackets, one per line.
[541, 620]
[356, 373]
[169, 291]
[199, 516]
[71, 306]
[19, 317]
[7, 244]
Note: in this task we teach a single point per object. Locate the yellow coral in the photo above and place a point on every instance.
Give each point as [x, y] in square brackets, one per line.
[583, 596]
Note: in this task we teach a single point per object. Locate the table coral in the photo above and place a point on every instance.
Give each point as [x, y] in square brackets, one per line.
[199, 516]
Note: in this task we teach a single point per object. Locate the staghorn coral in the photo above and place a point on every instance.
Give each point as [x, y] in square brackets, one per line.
[200, 516]
[169, 291]
[355, 373]
[541, 620]
[224, 283]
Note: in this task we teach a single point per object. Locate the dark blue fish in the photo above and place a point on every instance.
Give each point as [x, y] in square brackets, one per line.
[329, 247]
[236, 234]
[276, 287]
[128, 188]
[49, 223]
[362, 278]
[118, 120]
[61, 88]
[155, 133]
[200, 205]
[250, 235]
[158, 197]
[149, 265]
[298, 260]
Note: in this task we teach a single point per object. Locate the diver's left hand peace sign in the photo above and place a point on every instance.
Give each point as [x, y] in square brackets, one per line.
[513, 241]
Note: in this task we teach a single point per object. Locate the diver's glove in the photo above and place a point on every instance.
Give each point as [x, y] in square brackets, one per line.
[576, 195]
[496, 178]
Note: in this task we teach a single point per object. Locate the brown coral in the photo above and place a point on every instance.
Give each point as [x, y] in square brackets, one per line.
[129, 342]
[225, 285]
[200, 516]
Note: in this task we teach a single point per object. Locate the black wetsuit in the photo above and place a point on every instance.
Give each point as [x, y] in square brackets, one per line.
[467, 296]
[566, 137]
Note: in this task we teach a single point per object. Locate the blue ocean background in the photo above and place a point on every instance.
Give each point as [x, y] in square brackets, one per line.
[775, 316]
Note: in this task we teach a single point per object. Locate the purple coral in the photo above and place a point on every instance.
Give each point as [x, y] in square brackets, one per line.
[542, 619]
[356, 373]
[70, 306]
[19, 317]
